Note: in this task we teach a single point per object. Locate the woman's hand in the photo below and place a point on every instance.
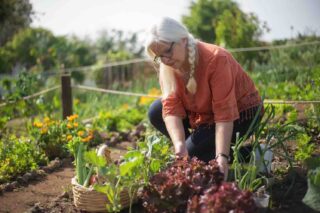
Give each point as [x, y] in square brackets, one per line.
[175, 129]
[180, 149]
[223, 140]
[223, 166]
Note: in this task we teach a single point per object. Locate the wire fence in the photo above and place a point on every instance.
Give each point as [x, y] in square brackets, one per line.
[144, 60]
[118, 92]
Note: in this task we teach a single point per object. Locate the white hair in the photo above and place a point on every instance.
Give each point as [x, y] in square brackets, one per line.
[169, 30]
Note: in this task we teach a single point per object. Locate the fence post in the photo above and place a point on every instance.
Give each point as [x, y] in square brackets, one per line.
[66, 93]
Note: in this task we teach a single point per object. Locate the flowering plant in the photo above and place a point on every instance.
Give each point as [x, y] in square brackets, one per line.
[56, 137]
[49, 136]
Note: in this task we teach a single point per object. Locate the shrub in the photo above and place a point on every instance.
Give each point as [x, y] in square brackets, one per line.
[17, 156]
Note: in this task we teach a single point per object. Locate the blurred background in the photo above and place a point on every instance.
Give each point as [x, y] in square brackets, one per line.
[100, 44]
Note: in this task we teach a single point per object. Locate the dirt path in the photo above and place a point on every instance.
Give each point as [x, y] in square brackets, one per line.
[49, 188]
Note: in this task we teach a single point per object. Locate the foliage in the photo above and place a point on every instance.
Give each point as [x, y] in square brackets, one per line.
[299, 65]
[134, 171]
[187, 185]
[272, 135]
[304, 147]
[227, 198]
[171, 189]
[224, 23]
[204, 16]
[121, 119]
[14, 15]
[78, 146]
[39, 50]
[13, 90]
[17, 156]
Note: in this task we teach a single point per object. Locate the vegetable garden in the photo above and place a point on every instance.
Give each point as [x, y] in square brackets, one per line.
[109, 108]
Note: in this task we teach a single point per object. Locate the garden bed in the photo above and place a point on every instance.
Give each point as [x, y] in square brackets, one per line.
[59, 199]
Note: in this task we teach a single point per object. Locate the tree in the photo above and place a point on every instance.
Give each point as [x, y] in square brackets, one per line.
[223, 23]
[14, 15]
[37, 49]
[204, 16]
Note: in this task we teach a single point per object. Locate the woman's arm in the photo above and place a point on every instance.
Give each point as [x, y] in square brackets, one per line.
[176, 131]
[223, 140]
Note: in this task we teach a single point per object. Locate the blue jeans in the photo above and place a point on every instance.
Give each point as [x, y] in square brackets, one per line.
[200, 142]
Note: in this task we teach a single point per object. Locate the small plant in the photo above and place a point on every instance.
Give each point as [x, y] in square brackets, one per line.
[190, 185]
[121, 119]
[17, 156]
[304, 148]
[132, 172]
[272, 135]
[58, 137]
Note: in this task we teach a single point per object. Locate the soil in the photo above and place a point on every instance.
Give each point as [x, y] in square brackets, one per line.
[52, 193]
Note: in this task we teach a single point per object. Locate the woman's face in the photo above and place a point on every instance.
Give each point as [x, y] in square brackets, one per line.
[172, 54]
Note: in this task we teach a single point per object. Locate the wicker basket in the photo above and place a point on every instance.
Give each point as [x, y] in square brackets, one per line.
[88, 199]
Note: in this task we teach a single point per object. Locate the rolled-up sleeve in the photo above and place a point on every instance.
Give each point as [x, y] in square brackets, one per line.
[172, 105]
[222, 83]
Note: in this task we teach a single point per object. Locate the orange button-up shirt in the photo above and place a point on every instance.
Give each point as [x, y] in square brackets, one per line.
[223, 90]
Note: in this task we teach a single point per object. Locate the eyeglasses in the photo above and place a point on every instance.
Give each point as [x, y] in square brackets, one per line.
[166, 54]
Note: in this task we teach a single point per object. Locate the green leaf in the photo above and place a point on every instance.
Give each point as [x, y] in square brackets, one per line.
[127, 167]
[92, 158]
[155, 165]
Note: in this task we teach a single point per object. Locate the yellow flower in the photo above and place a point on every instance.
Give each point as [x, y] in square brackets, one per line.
[72, 117]
[37, 124]
[144, 100]
[69, 125]
[46, 119]
[87, 139]
[80, 133]
[44, 130]
[69, 137]
[75, 124]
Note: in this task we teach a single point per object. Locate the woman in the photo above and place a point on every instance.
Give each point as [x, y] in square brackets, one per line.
[204, 90]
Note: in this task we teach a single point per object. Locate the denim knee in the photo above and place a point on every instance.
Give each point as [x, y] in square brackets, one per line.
[155, 112]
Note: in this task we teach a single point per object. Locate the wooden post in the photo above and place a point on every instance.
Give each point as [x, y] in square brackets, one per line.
[66, 94]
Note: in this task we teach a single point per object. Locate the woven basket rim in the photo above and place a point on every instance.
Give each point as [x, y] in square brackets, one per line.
[88, 199]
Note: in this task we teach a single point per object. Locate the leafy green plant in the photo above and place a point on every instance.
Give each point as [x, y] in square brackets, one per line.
[273, 136]
[134, 171]
[304, 147]
[121, 119]
[17, 156]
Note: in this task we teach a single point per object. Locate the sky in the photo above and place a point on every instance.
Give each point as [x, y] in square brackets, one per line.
[285, 18]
